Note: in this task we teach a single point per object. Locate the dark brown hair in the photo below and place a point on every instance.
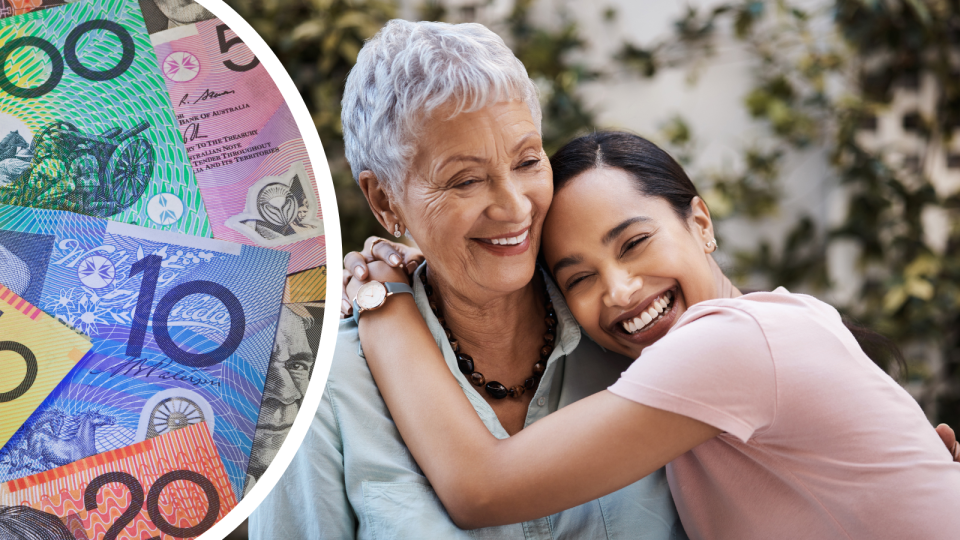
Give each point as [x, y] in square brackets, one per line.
[657, 174]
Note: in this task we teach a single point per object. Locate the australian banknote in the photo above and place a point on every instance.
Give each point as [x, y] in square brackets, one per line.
[12, 8]
[165, 14]
[36, 353]
[291, 367]
[182, 330]
[86, 123]
[170, 486]
[246, 150]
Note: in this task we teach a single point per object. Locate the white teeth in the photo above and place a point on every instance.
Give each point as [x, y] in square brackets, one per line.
[655, 312]
[516, 240]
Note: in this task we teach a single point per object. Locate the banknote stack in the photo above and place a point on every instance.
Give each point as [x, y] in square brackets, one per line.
[162, 275]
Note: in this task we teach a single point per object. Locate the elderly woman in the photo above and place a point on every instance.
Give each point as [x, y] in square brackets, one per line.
[442, 129]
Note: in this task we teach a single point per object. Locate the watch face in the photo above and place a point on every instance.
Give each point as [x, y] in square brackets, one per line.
[371, 295]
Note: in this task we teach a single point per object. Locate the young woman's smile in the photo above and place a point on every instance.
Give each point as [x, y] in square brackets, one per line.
[626, 262]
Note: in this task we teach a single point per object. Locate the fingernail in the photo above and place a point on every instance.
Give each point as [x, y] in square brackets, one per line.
[395, 260]
[358, 271]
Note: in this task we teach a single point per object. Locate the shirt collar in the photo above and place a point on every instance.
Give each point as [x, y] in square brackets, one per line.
[568, 338]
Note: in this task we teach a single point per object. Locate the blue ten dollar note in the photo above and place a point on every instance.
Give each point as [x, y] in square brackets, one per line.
[182, 330]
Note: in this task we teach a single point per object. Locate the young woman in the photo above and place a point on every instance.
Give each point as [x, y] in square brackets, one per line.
[773, 420]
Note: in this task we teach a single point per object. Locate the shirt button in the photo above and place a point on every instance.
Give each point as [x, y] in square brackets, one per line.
[541, 401]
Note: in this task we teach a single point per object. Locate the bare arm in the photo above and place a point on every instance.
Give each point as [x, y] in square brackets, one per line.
[483, 481]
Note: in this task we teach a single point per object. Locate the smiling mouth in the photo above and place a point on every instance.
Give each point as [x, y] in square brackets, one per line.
[648, 318]
[509, 241]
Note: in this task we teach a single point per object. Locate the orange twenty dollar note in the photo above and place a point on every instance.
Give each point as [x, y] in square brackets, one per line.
[171, 486]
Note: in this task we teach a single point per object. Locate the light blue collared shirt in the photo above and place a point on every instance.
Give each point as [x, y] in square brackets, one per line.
[353, 477]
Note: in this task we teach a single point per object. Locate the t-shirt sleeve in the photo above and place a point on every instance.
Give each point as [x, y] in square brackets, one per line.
[715, 366]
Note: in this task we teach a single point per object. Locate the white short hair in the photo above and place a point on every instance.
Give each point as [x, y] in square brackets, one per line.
[408, 70]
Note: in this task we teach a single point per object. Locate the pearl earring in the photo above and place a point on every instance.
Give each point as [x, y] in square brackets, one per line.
[396, 230]
[712, 244]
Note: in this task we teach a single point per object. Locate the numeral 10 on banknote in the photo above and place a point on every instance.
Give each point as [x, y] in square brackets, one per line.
[150, 266]
[70, 52]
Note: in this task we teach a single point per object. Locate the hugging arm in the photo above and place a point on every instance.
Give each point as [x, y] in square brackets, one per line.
[483, 481]
[375, 248]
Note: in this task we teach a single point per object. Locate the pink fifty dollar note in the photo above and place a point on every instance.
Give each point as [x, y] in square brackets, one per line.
[171, 486]
[246, 150]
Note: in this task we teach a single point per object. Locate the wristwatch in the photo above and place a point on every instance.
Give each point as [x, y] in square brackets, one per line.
[372, 296]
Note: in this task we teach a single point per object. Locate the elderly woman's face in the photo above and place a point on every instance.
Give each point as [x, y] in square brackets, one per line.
[477, 196]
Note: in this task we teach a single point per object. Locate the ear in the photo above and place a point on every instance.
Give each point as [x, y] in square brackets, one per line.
[700, 222]
[380, 199]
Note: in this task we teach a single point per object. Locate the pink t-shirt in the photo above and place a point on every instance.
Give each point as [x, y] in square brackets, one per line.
[818, 443]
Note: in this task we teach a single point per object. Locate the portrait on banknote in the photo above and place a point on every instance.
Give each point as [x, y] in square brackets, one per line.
[165, 14]
[291, 368]
[25, 523]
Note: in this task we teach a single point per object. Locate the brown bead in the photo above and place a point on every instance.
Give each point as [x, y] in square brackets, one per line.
[477, 379]
[455, 345]
[530, 383]
[428, 289]
[447, 332]
[423, 277]
[433, 308]
[517, 391]
[442, 321]
[465, 363]
[551, 321]
[496, 390]
[545, 351]
[539, 368]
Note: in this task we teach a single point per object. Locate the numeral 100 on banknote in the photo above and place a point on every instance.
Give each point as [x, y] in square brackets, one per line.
[70, 53]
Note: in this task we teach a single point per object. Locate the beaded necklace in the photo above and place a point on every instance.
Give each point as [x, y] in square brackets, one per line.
[495, 389]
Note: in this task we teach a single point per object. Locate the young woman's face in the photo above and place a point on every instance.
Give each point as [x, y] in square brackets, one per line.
[626, 263]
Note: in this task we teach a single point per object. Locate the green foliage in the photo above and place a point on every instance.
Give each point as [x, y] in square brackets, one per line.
[909, 291]
[545, 52]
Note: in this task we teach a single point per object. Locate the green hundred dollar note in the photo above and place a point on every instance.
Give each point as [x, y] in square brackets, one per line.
[86, 123]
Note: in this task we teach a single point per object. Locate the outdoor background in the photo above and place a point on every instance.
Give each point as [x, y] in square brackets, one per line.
[822, 133]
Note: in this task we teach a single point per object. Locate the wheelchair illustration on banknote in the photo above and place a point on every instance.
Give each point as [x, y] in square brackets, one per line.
[94, 174]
